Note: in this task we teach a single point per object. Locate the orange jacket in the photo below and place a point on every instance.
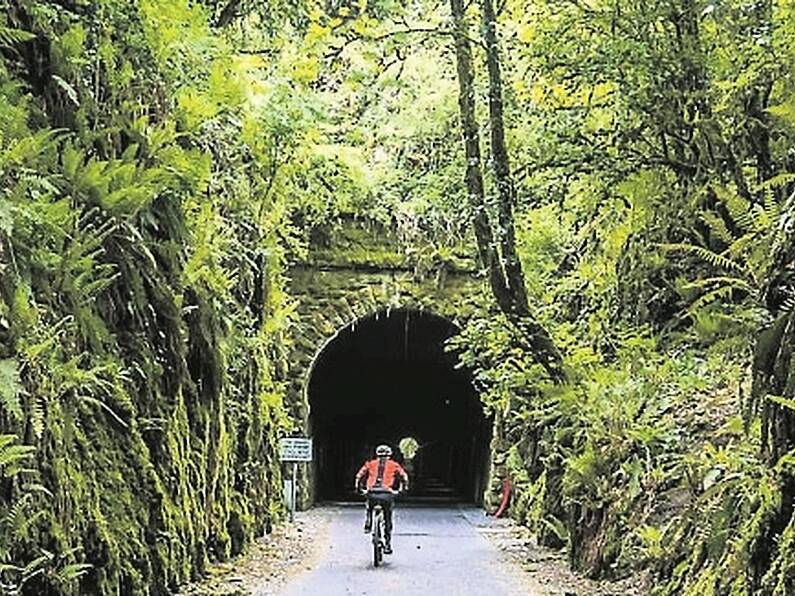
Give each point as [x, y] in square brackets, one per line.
[392, 470]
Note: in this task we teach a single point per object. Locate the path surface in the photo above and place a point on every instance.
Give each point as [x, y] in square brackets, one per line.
[437, 551]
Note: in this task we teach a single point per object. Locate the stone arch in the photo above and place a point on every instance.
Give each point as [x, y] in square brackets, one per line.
[329, 300]
[387, 376]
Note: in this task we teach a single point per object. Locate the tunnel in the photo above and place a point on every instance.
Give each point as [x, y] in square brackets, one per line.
[388, 377]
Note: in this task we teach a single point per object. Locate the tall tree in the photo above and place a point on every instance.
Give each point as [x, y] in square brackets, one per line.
[499, 256]
[487, 247]
[506, 233]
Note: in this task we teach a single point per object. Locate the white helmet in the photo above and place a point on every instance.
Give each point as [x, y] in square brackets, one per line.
[383, 451]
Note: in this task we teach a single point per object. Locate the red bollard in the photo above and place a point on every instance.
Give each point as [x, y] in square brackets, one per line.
[506, 496]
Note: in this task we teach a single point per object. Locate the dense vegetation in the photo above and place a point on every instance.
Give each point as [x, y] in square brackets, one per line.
[631, 201]
[142, 239]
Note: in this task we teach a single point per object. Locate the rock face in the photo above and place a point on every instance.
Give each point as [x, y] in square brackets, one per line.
[156, 441]
[356, 269]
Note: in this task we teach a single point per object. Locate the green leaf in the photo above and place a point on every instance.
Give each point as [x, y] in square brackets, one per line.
[74, 571]
[70, 91]
[10, 37]
[785, 402]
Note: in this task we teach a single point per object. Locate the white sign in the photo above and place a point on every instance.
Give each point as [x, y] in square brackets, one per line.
[295, 449]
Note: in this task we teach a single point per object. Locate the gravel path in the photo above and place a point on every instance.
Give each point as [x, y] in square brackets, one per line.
[272, 561]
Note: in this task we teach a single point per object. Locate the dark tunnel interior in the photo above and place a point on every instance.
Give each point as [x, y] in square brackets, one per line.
[388, 377]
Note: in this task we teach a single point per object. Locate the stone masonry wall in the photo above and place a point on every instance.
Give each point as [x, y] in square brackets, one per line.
[356, 270]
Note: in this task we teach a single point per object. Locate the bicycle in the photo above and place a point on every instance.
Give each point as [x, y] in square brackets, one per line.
[378, 531]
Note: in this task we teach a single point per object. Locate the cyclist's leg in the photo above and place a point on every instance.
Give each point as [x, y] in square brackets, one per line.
[368, 515]
[388, 524]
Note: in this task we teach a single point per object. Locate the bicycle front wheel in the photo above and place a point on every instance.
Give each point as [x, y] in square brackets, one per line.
[378, 543]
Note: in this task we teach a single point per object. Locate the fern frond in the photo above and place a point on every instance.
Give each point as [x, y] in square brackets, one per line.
[717, 226]
[735, 203]
[777, 181]
[721, 293]
[709, 256]
[14, 520]
[9, 37]
[29, 149]
[13, 456]
[784, 402]
[741, 244]
[788, 305]
[72, 572]
[766, 215]
[745, 220]
[6, 440]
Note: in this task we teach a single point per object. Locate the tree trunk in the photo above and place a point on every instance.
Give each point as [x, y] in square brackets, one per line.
[484, 237]
[501, 164]
[504, 270]
[228, 13]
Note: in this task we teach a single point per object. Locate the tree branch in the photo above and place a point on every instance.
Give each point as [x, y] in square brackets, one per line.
[228, 14]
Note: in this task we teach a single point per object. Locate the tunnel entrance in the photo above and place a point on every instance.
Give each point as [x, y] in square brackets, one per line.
[385, 378]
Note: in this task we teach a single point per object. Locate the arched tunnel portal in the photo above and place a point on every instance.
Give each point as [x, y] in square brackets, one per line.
[387, 377]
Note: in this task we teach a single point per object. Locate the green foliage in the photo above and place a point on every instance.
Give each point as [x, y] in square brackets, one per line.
[146, 191]
[18, 519]
[161, 163]
[594, 461]
[654, 213]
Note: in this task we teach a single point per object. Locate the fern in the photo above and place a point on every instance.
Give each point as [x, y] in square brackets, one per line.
[788, 305]
[748, 255]
[746, 220]
[72, 572]
[26, 151]
[742, 245]
[711, 257]
[19, 517]
[785, 402]
[12, 456]
[709, 282]
[772, 211]
[777, 181]
[717, 226]
[721, 293]
[9, 37]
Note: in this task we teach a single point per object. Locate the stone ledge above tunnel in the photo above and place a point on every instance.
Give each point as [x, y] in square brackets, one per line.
[368, 245]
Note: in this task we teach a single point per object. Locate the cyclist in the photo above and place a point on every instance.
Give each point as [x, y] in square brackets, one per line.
[382, 476]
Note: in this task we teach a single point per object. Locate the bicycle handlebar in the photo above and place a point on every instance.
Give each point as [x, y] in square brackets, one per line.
[363, 491]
